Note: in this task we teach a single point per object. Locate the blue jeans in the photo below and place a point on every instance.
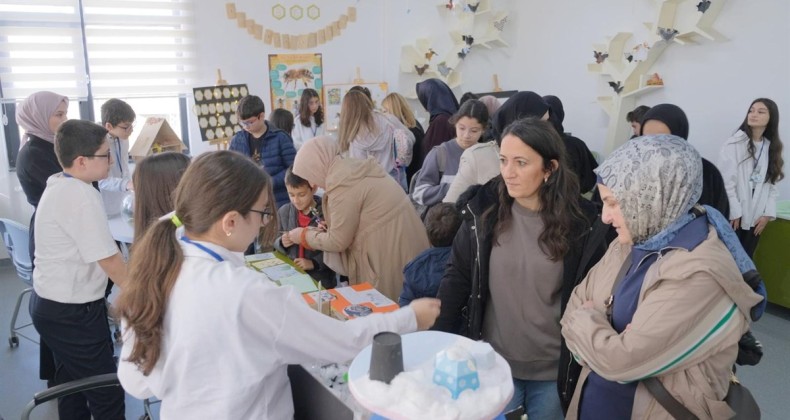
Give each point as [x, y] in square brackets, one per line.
[539, 398]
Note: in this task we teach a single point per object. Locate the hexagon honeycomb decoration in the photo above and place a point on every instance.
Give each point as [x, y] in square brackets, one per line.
[313, 12]
[278, 11]
[297, 12]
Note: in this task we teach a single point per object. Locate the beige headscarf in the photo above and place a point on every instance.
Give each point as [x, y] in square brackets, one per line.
[314, 158]
[34, 112]
[491, 103]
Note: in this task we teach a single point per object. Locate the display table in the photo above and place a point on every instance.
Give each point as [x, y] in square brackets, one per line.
[772, 259]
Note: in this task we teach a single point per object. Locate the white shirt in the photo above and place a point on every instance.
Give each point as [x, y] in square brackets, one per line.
[72, 235]
[229, 333]
[736, 166]
[113, 188]
[301, 133]
[479, 164]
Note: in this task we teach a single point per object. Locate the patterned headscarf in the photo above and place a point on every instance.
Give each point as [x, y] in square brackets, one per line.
[656, 179]
[34, 112]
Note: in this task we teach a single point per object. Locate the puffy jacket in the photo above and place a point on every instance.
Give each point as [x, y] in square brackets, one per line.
[464, 288]
[277, 154]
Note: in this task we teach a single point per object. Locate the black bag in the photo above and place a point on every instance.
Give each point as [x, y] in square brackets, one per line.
[740, 400]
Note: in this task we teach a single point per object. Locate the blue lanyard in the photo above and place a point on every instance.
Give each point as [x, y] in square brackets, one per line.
[118, 154]
[757, 161]
[65, 175]
[203, 248]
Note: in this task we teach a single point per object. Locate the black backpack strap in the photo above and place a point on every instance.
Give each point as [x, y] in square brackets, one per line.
[673, 406]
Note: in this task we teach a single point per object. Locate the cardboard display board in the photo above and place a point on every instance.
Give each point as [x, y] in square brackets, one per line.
[215, 107]
[336, 92]
[155, 136]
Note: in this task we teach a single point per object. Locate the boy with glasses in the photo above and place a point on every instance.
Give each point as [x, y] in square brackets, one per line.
[267, 145]
[118, 118]
[75, 254]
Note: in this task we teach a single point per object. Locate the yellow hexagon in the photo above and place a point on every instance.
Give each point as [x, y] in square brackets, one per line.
[297, 12]
[278, 11]
[313, 12]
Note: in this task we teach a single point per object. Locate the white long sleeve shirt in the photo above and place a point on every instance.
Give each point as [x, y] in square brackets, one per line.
[229, 333]
[736, 166]
[301, 133]
[113, 188]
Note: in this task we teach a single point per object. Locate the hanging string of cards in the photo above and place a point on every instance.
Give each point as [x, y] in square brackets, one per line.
[290, 41]
[215, 107]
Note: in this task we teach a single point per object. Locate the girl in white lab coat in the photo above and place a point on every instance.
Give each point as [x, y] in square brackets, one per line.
[210, 337]
[310, 118]
[751, 164]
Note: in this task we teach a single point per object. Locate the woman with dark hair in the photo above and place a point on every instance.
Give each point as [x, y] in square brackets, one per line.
[525, 242]
[437, 98]
[192, 302]
[309, 120]
[667, 303]
[479, 163]
[670, 119]
[751, 171]
[440, 166]
[580, 159]
[155, 179]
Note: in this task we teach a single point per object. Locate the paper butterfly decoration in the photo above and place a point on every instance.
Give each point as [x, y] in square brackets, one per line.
[703, 6]
[469, 39]
[629, 57]
[618, 87]
[500, 24]
[443, 69]
[430, 54]
[464, 52]
[471, 7]
[667, 33]
[420, 69]
[600, 56]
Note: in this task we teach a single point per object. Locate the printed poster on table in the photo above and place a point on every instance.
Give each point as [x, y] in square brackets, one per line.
[290, 74]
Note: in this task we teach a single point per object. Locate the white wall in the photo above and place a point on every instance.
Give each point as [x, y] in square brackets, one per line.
[551, 43]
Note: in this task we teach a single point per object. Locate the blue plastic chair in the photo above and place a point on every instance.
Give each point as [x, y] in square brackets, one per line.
[16, 238]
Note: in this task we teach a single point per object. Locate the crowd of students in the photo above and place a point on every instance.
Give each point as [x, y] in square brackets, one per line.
[479, 225]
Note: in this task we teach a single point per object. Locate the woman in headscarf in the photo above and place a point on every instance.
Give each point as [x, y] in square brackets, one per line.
[480, 163]
[668, 300]
[580, 159]
[364, 132]
[437, 98]
[526, 240]
[39, 115]
[670, 119]
[372, 230]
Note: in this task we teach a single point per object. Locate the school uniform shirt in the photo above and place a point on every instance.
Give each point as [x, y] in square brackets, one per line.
[302, 133]
[71, 235]
[432, 185]
[747, 201]
[229, 334]
[113, 188]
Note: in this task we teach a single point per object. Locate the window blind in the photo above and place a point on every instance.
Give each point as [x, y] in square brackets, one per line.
[41, 49]
[140, 48]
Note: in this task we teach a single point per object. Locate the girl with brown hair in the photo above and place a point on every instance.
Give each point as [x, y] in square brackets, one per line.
[155, 179]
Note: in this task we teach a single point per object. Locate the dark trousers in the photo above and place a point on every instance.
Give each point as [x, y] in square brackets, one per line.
[749, 240]
[78, 335]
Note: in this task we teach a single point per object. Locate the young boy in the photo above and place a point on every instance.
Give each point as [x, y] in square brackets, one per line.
[303, 210]
[74, 255]
[268, 146]
[423, 274]
[118, 118]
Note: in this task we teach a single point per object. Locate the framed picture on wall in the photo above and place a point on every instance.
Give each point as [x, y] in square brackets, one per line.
[290, 74]
[336, 92]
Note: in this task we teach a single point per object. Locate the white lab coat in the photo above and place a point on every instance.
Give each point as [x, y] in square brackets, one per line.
[736, 167]
[301, 133]
[113, 188]
[229, 333]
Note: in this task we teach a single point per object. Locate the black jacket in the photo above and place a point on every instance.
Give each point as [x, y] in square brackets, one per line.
[464, 288]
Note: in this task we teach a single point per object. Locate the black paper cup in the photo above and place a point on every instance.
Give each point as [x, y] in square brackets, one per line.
[386, 357]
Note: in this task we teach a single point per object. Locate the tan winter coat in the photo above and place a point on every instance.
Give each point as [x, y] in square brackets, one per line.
[685, 295]
[371, 222]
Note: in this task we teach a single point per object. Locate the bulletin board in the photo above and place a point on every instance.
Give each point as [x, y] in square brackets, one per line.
[336, 92]
[215, 107]
[290, 74]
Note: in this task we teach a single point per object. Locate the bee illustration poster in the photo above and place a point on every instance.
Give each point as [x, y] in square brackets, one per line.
[290, 74]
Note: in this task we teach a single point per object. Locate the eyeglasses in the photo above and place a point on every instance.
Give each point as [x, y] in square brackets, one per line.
[246, 123]
[129, 127]
[106, 155]
[266, 215]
